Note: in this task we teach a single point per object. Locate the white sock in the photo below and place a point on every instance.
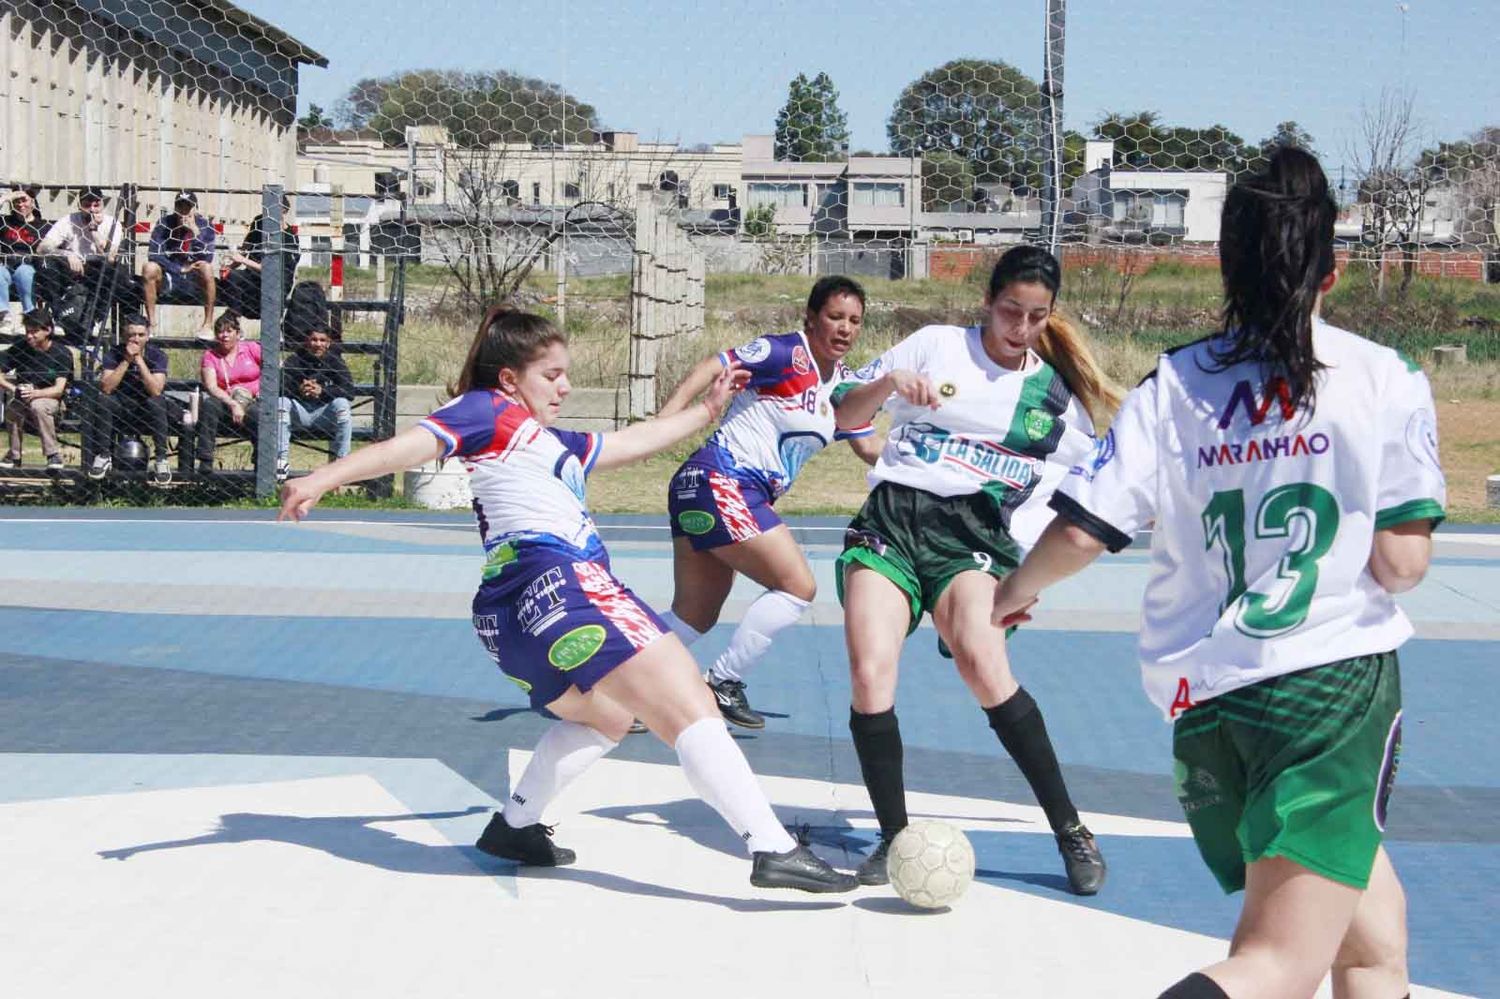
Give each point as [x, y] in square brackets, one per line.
[719, 774]
[772, 612]
[563, 752]
[680, 628]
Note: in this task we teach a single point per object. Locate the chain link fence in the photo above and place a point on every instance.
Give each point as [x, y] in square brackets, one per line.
[158, 165]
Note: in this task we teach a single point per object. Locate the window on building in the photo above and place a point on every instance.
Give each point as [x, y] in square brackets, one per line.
[571, 192]
[825, 195]
[723, 191]
[536, 192]
[510, 190]
[876, 194]
[777, 195]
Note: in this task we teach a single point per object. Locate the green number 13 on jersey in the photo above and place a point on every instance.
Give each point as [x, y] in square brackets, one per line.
[1261, 615]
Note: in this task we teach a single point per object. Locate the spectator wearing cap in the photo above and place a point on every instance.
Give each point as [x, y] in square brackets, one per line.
[82, 250]
[38, 370]
[181, 253]
[241, 290]
[315, 394]
[21, 229]
[132, 382]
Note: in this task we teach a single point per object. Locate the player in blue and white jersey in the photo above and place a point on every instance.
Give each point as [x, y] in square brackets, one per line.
[720, 501]
[1291, 471]
[549, 610]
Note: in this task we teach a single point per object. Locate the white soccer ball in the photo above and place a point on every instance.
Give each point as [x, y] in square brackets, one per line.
[930, 864]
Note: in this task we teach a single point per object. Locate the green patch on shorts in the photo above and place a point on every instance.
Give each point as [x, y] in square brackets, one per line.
[503, 555]
[576, 647]
[1299, 766]
[921, 541]
[695, 521]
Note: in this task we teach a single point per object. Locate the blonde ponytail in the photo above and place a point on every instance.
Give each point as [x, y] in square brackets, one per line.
[1066, 348]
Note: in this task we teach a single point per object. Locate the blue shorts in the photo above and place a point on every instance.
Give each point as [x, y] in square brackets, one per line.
[713, 509]
[552, 621]
[175, 279]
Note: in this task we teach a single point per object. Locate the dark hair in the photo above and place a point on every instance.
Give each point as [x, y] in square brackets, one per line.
[228, 317]
[134, 319]
[1026, 264]
[506, 339]
[1275, 248]
[827, 287]
[39, 318]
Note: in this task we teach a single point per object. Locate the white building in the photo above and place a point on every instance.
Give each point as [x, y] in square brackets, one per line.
[1146, 205]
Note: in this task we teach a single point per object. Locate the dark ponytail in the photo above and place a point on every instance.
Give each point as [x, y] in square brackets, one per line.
[1275, 249]
[506, 338]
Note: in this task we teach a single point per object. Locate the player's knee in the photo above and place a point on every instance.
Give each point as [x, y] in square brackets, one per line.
[804, 589]
[151, 272]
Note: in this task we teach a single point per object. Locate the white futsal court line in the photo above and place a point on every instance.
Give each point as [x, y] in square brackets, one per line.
[304, 899]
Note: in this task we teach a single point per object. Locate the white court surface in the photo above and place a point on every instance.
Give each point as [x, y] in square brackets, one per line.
[320, 887]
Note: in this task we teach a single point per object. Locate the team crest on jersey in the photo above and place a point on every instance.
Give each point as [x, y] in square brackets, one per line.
[801, 363]
[1038, 423]
[755, 351]
[947, 390]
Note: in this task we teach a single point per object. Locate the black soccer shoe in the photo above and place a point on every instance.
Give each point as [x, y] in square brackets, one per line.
[874, 870]
[528, 845]
[1081, 857]
[798, 868]
[729, 695]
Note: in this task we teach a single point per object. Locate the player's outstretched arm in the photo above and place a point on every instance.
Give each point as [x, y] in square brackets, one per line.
[407, 449]
[1401, 554]
[694, 385]
[868, 447]
[650, 436]
[858, 405]
[1063, 549]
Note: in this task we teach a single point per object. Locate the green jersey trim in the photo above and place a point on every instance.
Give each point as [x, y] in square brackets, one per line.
[1417, 509]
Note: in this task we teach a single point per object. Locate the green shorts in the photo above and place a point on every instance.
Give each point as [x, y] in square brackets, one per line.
[1298, 766]
[920, 541]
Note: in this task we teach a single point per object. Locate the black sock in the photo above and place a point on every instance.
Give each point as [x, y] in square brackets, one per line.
[877, 741]
[1195, 986]
[1018, 722]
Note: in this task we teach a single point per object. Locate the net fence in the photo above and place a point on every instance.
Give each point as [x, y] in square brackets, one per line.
[161, 171]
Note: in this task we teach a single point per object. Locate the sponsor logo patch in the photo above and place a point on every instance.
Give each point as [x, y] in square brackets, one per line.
[755, 351]
[540, 605]
[1421, 438]
[947, 390]
[695, 521]
[1104, 452]
[576, 647]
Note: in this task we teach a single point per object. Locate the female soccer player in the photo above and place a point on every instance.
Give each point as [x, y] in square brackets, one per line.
[985, 422]
[1291, 470]
[720, 500]
[549, 610]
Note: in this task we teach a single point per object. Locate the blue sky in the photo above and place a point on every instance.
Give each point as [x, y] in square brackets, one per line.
[680, 70]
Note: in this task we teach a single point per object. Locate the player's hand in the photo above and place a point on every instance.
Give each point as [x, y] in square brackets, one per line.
[298, 497]
[725, 385]
[914, 388]
[1011, 608]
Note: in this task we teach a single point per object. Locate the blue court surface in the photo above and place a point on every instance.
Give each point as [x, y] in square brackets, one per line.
[240, 758]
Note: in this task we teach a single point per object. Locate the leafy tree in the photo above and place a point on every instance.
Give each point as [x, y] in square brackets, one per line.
[947, 182]
[315, 118]
[760, 221]
[810, 126]
[1143, 142]
[1286, 134]
[477, 108]
[987, 113]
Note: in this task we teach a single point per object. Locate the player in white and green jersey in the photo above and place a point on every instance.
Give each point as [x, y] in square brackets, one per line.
[1291, 471]
[986, 421]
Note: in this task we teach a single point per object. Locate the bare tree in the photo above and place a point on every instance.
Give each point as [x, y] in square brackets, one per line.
[1392, 189]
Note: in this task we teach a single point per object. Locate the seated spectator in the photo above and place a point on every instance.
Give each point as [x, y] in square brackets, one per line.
[83, 274]
[231, 384]
[39, 370]
[21, 228]
[241, 288]
[181, 254]
[132, 381]
[316, 393]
